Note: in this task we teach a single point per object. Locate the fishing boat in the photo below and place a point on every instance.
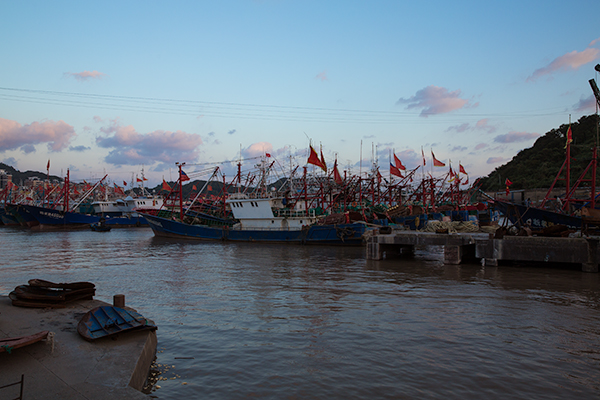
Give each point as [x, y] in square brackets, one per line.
[64, 216]
[261, 216]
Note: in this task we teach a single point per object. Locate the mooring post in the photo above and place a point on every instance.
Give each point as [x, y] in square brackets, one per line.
[374, 249]
[592, 260]
[119, 300]
[453, 254]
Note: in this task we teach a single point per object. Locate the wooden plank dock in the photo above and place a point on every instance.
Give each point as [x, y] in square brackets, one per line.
[490, 250]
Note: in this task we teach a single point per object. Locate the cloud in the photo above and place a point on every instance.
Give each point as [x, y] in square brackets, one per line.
[587, 104]
[10, 161]
[132, 148]
[481, 146]
[79, 148]
[513, 137]
[570, 61]
[459, 128]
[231, 132]
[459, 148]
[85, 75]
[257, 149]
[435, 100]
[13, 135]
[322, 76]
[482, 125]
[494, 160]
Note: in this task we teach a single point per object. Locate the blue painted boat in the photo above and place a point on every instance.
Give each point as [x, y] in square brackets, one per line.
[106, 321]
[265, 219]
[535, 218]
[63, 219]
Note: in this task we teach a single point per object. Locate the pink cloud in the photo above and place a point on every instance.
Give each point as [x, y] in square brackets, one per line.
[587, 104]
[435, 100]
[483, 125]
[569, 61]
[512, 137]
[322, 76]
[130, 147]
[13, 135]
[494, 160]
[258, 149]
[481, 146]
[85, 75]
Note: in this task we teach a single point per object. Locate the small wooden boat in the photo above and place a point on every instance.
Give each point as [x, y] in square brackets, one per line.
[108, 320]
[99, 227]
[9, 344]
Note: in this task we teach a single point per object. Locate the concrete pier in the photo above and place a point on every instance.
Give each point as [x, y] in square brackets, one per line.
[459, 247]
[66, 366]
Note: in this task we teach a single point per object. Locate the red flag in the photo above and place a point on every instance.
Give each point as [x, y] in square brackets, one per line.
[569, 137]
[507, 182]
[436, 162]
[395, 171]
[399, 163]
[209, 188]
[194, 187]
[268, 154]
[313, 159]
[184, 176]
[165, 186]
[461, 169]
[336, 174]
[48, 165]
[118, 190]
[145, 179]
[467, 181]
[138, 180]
[124, 183]
[423, 155]
[324, 167]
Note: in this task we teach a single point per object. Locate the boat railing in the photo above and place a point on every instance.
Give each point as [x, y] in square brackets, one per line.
[287, 213]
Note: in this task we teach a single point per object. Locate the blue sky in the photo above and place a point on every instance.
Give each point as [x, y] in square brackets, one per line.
[119, 86]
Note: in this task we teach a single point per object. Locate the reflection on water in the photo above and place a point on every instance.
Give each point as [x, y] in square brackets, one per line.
[278, 321]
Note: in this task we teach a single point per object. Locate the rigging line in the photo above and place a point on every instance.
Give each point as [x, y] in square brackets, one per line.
[217, 115]
[232, 104]
[255, 116]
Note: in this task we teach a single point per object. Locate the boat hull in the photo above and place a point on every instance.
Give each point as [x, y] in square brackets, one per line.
[56, 218]
[535, 218]
[338, 234]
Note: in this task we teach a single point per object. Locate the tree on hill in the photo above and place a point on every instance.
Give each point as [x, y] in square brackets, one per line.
[18, 177]
[537, 166]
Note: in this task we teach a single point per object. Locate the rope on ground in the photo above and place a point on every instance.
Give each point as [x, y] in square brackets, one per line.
[451, 226]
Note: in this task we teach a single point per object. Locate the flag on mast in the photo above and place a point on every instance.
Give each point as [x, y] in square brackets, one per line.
[436, 162]
[313, 159]
[395, 171]
[336, 174]
[569, 137]
[399, 163]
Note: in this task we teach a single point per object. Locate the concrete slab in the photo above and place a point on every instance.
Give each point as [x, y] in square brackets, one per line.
[67, 366]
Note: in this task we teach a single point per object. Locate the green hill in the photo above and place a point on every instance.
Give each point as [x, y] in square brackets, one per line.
[537, 166]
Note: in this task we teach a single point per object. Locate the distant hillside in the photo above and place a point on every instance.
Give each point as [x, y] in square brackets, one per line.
[537, 166]
[18, 177]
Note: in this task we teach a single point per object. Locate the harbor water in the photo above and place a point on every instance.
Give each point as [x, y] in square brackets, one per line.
[294, 322]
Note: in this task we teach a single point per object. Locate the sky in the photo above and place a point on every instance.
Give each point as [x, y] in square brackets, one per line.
[119, 87]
